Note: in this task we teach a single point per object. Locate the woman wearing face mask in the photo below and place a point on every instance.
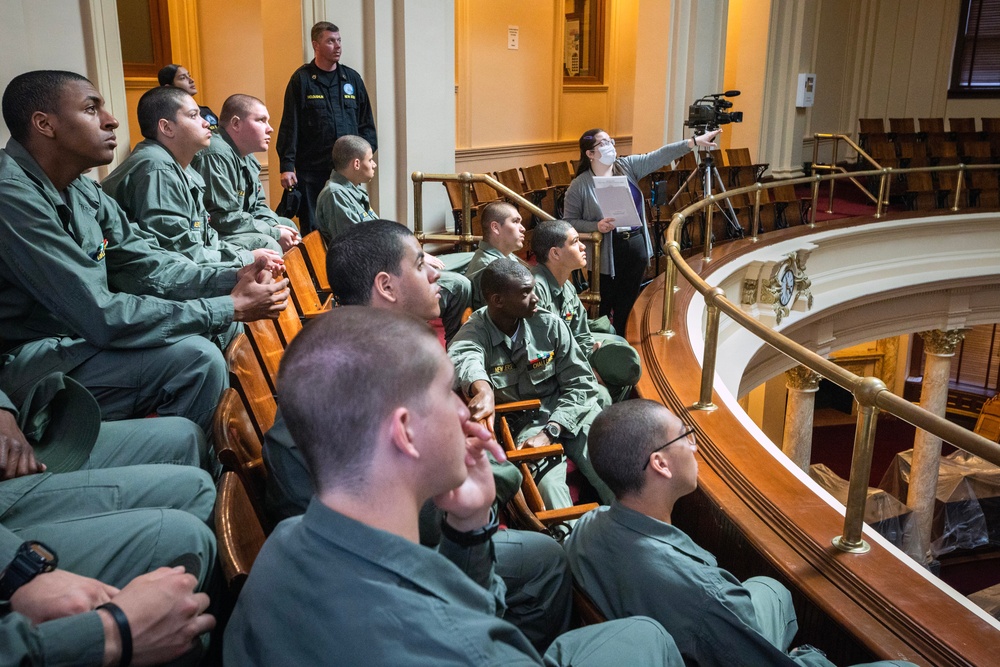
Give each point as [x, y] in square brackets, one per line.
[179, 77]
[625, 253]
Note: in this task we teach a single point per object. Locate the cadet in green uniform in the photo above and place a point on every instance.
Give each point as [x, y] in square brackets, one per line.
[374, 595]
[630, 559]
[343, 203]
[511, 351]
[81, 292]
[503, 235]
[234, 196]
[160, 193]
[559, 252]
[103, 522]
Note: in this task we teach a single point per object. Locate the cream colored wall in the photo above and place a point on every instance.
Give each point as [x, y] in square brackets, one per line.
[512, 108]
[745, 65]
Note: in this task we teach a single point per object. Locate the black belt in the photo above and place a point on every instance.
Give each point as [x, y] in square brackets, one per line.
[627, 234]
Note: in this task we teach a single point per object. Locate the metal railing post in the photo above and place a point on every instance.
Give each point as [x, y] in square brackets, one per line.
[755, 228]
[866, 394]
[958, 186]
[707, 255]
[667, 324]
[833, 162]
[815, 200]
[711, 348]
[883, 193]
[465, 178]
[418, 203]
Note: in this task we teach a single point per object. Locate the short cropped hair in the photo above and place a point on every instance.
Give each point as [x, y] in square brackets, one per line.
[320, 28]
[157, 103]
[27, 93]
[549, 234]
[167, 73]
[620, 441]
[342, 377]
[347, 149]
[496, 211]
[502, 275]
[362, 252]
[237, 105]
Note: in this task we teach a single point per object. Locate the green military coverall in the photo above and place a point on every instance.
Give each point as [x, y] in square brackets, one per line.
[563, 302]
[82, 293]
[234, 196]
[167, 202]
[375, 598]
[544, 362]
[485, 255]
[107, 523]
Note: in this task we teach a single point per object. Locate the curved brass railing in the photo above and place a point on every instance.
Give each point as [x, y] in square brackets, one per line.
[871, 393]
[466, 238]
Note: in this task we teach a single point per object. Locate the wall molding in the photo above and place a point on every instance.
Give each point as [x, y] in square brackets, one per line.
[525, 150]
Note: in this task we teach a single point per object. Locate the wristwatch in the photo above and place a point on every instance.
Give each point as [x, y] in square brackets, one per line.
[553, 430]
[472, 537]
[32, 559]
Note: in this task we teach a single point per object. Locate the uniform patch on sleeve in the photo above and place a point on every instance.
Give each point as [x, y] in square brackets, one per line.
[98, 254]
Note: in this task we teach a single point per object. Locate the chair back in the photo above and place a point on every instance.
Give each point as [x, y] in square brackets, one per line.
[238, 530]
[559, 172]
[988, 424]
[268, 346]
[872, 125]
[534, 177]
[304, 293]
[248, 378]
[289, 323]
[316, 257]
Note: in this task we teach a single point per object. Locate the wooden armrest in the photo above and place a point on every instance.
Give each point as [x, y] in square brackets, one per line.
[518, 406]
[565, 514]
[534, 453]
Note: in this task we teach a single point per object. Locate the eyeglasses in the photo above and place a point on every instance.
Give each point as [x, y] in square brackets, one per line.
[682, 436]
[606, 142]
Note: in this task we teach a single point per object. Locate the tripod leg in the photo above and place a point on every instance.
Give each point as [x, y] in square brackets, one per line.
[735, 229]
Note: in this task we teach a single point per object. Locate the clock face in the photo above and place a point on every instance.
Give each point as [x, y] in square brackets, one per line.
[787, 281]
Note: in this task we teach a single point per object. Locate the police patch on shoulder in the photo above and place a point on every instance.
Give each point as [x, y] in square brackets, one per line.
[503, 368]
[196, 224]
[348, 89]
[314, 97]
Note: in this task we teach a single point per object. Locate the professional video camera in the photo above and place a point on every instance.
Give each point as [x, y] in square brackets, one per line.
[709, 113]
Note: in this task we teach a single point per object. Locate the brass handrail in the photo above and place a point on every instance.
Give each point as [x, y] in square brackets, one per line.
[818, 137]
[467, 238]
[871, 393]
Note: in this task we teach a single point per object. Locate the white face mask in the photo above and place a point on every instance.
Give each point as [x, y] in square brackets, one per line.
[608, 154]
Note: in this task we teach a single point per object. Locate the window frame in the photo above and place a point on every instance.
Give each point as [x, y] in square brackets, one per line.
[964, 41]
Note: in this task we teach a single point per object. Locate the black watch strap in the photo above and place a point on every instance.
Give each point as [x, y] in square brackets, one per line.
[472, 537]
[32, 558]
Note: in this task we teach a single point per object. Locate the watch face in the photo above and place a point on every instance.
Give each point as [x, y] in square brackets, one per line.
[787, 287]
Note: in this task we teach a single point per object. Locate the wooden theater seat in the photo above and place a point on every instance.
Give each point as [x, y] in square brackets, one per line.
[248, 378]
[238, 530]
[304, 294]
[315, 256]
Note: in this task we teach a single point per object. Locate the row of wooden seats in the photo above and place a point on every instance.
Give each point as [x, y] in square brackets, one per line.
[961, 131]
[932, 190]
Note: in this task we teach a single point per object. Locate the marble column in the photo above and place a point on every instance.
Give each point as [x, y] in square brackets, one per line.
[939, 346]
[796, 442]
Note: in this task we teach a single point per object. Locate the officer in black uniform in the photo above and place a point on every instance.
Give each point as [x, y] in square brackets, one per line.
[324, 100]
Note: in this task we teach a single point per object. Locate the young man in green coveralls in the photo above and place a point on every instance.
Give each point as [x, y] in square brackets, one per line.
[512, 351]
[503, 235]
[343, 203]
[160, 193]
[381, 265]
[81, 292]
[631, 559]
[374, 595]
[234, 196]
[106, 526]
[559, 251]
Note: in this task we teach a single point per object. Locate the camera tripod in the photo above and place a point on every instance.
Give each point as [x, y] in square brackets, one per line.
[710, 177]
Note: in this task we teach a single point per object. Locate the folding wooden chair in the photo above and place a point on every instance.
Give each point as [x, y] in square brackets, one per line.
[248, 378]
[559, 173]
[947, 185]
[903, 130]
[975, 152]
[316, 259]
[991, 125]
[871, 125]
[985, 188]
[304, 294]
[268, 346]
[538, 189]
[920, 191]
[988, 423]
[454, 190]
[961, 125]
[526, 510]
[238, 448]
[931, 125]
[942, 152]
[289, 324]
[239, 532]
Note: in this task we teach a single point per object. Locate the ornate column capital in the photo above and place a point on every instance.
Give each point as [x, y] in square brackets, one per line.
[802, 378]
[942, 343]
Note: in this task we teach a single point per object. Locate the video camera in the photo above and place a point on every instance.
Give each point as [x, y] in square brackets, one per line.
[709, 113]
